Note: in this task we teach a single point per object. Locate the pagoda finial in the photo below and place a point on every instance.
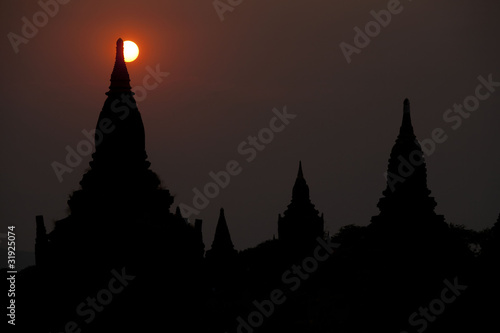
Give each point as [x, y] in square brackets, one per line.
[406, 129]
[300, 189]
[222, 238]
[120, 80]
[119, 49]
[300, 174]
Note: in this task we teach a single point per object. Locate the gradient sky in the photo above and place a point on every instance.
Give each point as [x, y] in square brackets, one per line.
[225, 79]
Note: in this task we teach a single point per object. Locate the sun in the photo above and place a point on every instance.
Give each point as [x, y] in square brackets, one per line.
[130, 51]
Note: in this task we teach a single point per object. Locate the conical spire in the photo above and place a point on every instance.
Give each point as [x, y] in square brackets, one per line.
[406, 129]
[222, 239]
[120, 80]
[300, 188]
[301, 221]
[300, 174]
[124, 140]
[119, 163]
[406, 163]
[406, 190]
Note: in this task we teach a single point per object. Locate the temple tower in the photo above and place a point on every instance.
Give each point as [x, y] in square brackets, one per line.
[301, 223]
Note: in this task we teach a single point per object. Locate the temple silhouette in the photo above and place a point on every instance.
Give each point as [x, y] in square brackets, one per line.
[122, 261]
[301, 223]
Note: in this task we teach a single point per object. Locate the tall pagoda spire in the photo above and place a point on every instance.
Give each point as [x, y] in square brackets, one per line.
[300, 174]
[120, 136]
[222, 246]
[120, 80]
[222, 238]
[300, 190]
[301, 221]
[406, 192]
[406, 130]
[119, 164]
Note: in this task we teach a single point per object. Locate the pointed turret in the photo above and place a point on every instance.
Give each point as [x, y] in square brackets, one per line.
[120, 137]
[119, 170]
[222, 239]
[406, 192]
[300, 174]
[120, 80]
[406, 130]
[300, 190]
[301, 222]
[222, 246]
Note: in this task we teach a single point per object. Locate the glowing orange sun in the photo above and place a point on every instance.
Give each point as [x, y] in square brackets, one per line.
[130, 51]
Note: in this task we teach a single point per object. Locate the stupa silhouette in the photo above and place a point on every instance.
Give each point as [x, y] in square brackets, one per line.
[119, 223]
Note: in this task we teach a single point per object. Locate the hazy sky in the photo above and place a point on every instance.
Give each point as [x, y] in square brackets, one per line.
[225, 79]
